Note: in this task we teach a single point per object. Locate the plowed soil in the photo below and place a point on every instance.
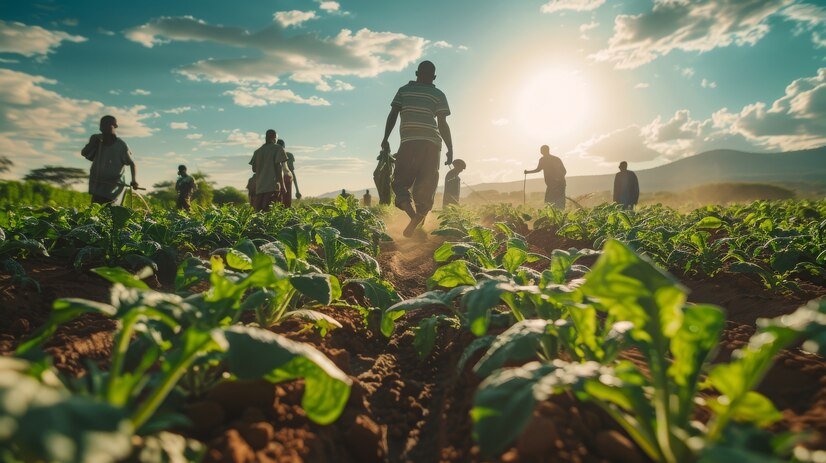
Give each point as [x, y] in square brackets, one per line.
[403, 408]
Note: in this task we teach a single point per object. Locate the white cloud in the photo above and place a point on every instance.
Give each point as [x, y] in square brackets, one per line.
[71, 22]
[626, 144]
[442, 44]
[106, 32]
[500, 122]
[699, 26]
[251, 96]
[687, 72]
[583, 28]
[22, 39]
[194, 136]
[708, 83]
[293, 17]
[642, 85]
[304, 57]
[178, 110]
[27, 106]
[140, 92]
[114, 92]
[571, 5]
[809, 18]
[337, 86]
[463, 48]
[179, 125]
[329, 6]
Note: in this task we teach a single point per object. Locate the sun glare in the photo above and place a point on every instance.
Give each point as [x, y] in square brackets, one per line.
[552, 104]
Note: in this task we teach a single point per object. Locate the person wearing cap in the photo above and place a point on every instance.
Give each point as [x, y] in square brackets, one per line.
[109, 155]
[185, 187]
[453, 183]
[267, 165]
[424, 111]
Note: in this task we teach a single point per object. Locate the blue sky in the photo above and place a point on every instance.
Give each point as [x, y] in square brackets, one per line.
[599, 81]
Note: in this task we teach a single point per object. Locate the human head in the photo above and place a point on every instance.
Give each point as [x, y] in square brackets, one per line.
[108, 124]
[182, 170]
[342, 191]
[459, 165]
[426, 72]
[367, 192]
[623, 165]
[270, 136]
[545, 150]
[282, 142]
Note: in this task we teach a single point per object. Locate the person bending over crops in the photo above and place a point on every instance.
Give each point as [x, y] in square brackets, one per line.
[289, 177]
[626, 187]
[109, 155]
[367, 200]
[185, 186]
[554, 171]
[453, 183]
[424, 112]
[267, 165]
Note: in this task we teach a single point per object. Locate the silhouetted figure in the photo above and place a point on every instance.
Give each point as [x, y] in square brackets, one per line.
[185, 187]
[367, 199]
[251, 190]
[267, 164]
[554, 171]
[424, 112]
[626, 187]
[344, 194]
[289, 178]
[383, 176]
[109, 155]
[453, 183]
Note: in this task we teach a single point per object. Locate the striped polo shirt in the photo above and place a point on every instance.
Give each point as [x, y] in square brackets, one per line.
[419, 105]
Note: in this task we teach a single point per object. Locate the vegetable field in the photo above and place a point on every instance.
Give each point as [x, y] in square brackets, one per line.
[500, 334]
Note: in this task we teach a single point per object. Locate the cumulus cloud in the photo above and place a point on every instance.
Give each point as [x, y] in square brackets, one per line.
[27, 106]
[177, 110]
[22, 39]
[329, 6]
[179, 125]
[442, 44]
[252, 96]
[303, 57]
[705, 83]
[698, 26]
[194, 136]
[293, 17]
[140, 92]
[687, 72]
[554, 6]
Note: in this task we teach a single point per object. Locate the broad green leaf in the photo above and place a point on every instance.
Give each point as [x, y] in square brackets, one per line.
[63, 311]
[324, 323]
[119, 275]
[752, 407]
[425, 336]
[709, 223]
[238, 260]
[518, 343]
[191, 271]
[451, 275]
[316, 286]
[120, 215]
[444, 252]
[475, 346]
[513, 258]
[479, 300]
[256, 353]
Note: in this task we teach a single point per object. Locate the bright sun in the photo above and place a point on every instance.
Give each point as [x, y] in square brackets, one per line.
[553, 103]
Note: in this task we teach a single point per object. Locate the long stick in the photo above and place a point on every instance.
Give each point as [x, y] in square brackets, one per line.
[524, 189]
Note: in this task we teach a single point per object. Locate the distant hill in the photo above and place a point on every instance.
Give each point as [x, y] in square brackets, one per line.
[717, 166]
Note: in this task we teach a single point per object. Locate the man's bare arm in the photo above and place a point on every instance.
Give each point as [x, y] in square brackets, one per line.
[134, 171]
[389, 126]
[538, 168]
[444, 131]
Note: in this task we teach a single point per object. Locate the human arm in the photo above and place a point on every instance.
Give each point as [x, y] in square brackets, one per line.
[617, 188]
[389, 125]
[295, 182]
[444, 131]
[635, 188]
[538, 168]
[92, 147]
[134, 171]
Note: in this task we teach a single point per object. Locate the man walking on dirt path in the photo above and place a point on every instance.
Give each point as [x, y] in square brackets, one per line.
[453, 183]
[109, 155]
[554, 172]
[289, 178]
[626, 187]
[424, 112]
[185, 187]
[267, 164]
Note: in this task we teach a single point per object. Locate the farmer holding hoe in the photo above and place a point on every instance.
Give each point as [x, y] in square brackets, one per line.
[424, 111]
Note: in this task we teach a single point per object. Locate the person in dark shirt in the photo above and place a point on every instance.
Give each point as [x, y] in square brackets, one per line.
[626, 187]
[453, 183]
[367, 199]
[554, 171]
[185, 187]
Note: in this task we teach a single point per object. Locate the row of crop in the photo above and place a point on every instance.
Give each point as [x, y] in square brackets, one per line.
[172, 347]
[568, 326]
[779, 242]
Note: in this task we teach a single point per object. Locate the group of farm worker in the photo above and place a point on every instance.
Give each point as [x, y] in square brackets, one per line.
[412, 175]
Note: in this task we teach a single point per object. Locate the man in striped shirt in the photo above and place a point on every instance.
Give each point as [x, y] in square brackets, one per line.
[424, 112]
